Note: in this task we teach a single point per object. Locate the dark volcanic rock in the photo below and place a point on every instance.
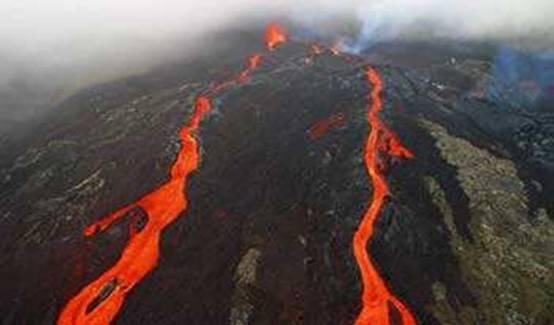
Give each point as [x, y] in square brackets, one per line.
[466, 238]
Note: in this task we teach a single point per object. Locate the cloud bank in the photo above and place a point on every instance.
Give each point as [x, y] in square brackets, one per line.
[90, 41]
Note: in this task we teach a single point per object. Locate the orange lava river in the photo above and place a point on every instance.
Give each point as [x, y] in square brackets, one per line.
[99, 302]
[140, 256]
[381, 145]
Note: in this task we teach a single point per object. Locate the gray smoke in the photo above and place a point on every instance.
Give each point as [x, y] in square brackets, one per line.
[479, 20]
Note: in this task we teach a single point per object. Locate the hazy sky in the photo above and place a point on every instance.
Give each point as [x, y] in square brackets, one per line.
[83, 38]
[59, 31]
[26, 21]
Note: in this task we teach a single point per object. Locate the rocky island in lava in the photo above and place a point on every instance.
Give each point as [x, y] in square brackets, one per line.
[289, 182]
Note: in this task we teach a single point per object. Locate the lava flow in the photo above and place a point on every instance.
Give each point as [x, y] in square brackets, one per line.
[321, 127]
[275, 34]
[100, 301]
[382, 144]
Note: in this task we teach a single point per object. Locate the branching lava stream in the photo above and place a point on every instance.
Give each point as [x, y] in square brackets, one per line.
[381, 145]
[99, 302]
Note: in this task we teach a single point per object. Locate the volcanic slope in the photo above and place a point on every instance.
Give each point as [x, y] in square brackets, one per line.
[465, 237]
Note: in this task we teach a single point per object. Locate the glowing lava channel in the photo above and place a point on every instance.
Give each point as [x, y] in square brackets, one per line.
[275, 34]
[99, 302]
[381, 145]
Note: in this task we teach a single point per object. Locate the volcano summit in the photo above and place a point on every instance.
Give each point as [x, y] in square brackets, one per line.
[290, 184]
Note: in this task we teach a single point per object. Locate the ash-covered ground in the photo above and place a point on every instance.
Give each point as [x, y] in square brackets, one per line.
[466, 238]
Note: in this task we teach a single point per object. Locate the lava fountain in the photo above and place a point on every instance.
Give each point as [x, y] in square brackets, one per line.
[275, 35]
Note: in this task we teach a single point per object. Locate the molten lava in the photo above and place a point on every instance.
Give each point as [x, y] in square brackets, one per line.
[275, 34]
[381, 145]
[253, 62]
[99, 302]
[162, 206]
[321, 127]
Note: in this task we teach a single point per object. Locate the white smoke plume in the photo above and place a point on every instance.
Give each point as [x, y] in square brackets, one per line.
[509, 20]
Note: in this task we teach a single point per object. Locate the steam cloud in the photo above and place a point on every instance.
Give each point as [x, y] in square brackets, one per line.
[57, 46]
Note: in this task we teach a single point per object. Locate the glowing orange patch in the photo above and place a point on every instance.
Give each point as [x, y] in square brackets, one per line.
[321, 127]
[275, 35]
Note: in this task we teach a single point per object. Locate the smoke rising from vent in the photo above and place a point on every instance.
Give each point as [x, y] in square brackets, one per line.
[477, 20]
[55, 47]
